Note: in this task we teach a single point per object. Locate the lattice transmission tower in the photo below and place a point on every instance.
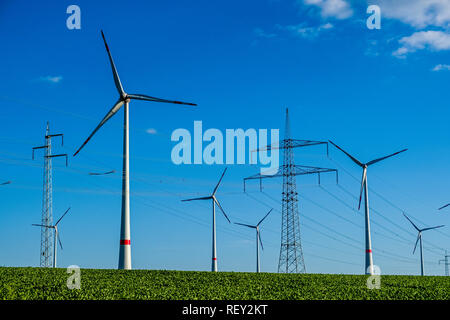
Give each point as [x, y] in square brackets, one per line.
[446, 262]
[46, 253]
[291, 258]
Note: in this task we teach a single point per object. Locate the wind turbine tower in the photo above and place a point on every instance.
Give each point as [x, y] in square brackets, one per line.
[124, 100]
[419, 237]
[46, 254]
[55, 234]
[214, 201]
[258, 237]
[365, 189]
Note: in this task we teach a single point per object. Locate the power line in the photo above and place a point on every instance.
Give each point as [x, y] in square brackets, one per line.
[381, 253]
[389, 202]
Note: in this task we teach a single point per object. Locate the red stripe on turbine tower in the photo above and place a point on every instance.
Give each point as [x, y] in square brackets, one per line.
[125, 242]
[368, 251]
[214, 258]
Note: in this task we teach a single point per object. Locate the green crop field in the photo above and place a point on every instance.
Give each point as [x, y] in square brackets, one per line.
[39, 283]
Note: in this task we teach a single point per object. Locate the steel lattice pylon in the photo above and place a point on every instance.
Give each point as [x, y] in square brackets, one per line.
[47, 212]
[291, 253]
[46, 250]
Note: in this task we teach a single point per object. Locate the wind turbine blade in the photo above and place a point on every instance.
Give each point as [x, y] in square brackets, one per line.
[431, 228]
[111, 112]
[260, 241]
[363, 180]
[348, 154]
[201, 198]
[5, 183]
[59, 239]
[217, 186]
[380, 159]
[411, 222]
[243, 224]
[264, 217]
[448, 204]
[113, 67]
[221, 209]
[415, 246]
[62, 217]
[101, 173]
[148, 98]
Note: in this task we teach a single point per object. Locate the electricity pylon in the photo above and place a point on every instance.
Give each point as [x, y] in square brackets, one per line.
[446, 263]
[291, 253]
[46, 254]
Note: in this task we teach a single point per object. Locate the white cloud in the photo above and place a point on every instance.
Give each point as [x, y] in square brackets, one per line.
[432, 40]
[301, 30]
[339, 9]
[372, 48]
[441, 67]
[51, 79]
[151, 131]
[417, 13]
[262, 34]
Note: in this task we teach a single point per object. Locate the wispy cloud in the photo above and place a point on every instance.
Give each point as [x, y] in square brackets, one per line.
[372, 49]
[260, 33]
[422, 40]
[303, 31]
[51, 79]
[441, 67]
[151, 131]
[338, 9]
[417, 13]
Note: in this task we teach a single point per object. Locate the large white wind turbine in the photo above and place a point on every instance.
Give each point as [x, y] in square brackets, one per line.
[364, 187]
[56, 235]
[419, 237]
[258, 237]
[214, 200]
[124, 100]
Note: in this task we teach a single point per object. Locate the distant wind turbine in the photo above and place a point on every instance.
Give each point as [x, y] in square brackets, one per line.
[101, 173]
[364, 187]
[258, 237]
[214, 200]
[419, 237]
[56, 235]
[124, 100]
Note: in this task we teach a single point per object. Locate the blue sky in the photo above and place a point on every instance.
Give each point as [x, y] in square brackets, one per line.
[372, 91]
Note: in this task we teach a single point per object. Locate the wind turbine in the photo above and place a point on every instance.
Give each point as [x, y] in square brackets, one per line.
[364, 187]
[214, 202]
[124, 100]
[258, 237]
[448, 204]
[101, 173]
[56, 235]
[419, 237]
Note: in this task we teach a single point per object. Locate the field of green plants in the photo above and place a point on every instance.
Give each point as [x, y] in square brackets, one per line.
[40, 283]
